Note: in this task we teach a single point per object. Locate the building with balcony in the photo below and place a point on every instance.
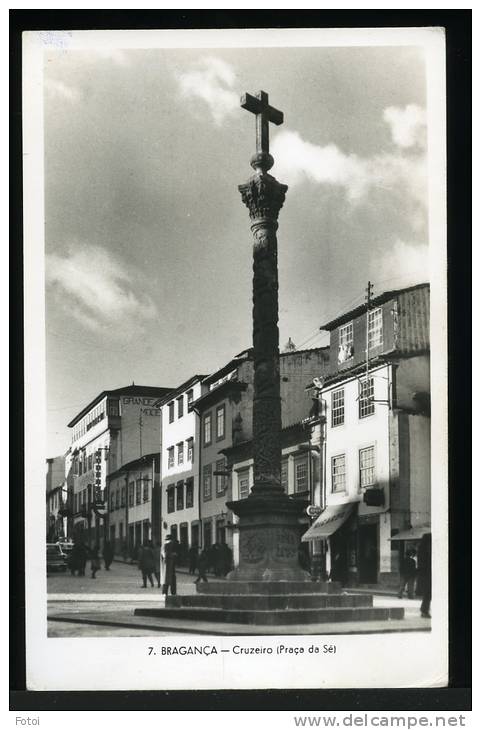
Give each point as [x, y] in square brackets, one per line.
[115, 428]
[373, 434]
[225, 412]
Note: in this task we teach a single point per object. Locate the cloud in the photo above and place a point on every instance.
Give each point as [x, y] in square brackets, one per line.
[212, 81]
[404, 264]
[397, 171]
[61, 90]
[408, 125]
[97, 291]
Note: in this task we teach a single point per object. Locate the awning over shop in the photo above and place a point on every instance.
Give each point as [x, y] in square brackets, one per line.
[414, 533]
[328, 521]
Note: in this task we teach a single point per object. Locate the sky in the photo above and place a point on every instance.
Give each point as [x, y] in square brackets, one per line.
[148, 245]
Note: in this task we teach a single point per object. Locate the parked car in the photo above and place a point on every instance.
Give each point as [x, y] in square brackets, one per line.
[56, 558]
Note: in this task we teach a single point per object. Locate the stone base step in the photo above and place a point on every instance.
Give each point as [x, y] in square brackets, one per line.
[266, 602]
[275, 617]
[277, 587]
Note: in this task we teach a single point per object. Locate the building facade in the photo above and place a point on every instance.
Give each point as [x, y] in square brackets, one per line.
[374, 437]
[56, 498]
[180, 466]
[134, 505]
[225, 413]
[114, 429]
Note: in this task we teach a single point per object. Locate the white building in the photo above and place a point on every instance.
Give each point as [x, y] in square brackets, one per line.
[180, 506]
[374, 437]
[115, 428]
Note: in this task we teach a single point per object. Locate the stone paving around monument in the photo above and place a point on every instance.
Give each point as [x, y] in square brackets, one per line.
[105, 607]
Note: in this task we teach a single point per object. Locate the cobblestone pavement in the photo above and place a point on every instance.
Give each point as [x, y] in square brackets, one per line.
[122, 578]
[81, 602]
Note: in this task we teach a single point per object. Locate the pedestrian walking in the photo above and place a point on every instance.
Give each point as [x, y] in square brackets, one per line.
[202, 564]
[226, 559]
[157, 549]
[83, 557]
[94, 561]
[146, 562]
[408, 575]
[193, 552]
[108, 554]
[169, 557]
[424, 574]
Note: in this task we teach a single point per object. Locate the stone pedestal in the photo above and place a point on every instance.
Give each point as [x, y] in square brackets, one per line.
[268, 539]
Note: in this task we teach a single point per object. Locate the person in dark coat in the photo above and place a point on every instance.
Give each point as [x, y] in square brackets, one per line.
[169, 558]
[202, 564]
[157, 549]
[193, 559]
[424, 574]
[94, 560]
[108, 553]
[408, 574]
[226, 559]
[147, 563]
[83, 555]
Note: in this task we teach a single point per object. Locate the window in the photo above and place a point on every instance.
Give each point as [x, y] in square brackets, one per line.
[366, 397]
[190, 449]
[122, 497]
[374, 328]
[112, 502]
[338, 472]
[189, 493]
[207, 482]
[180, 453]
[171, 412]
[366, 467]
[180, 406]
[301, 481]
[180, 495]
[284, 475]
[190, 400]
[170, 457]
[145, 490]
[337, 407]
[131, 494]
[113, 408]
[117, 499]
[171, 499]
[243, 479]
[80, 467]
[220, 422]
[346, 338]
[207, 429]
[90, 462]
[138, 491]
[220, 479]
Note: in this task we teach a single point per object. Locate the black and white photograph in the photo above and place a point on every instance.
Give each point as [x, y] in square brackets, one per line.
[236, 435]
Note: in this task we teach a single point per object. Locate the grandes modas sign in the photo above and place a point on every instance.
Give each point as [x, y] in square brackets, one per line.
[313, 510]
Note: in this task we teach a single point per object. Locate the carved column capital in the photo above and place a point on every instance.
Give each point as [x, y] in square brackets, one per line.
[264, 197]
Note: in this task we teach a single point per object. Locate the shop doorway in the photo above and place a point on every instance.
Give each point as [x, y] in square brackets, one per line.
[207, 534]
[195, 535]
[368, 553]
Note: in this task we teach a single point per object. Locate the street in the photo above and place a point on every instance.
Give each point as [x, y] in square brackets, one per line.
[80, 606]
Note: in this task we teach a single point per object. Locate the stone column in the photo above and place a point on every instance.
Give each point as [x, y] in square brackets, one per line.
[268, 525]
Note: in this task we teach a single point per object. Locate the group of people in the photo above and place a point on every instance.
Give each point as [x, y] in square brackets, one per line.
[216, 558]
[81, 554]
[415, 570]
[150, 559]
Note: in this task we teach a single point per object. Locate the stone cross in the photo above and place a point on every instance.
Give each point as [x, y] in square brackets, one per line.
[259, 105]
[268, 518]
